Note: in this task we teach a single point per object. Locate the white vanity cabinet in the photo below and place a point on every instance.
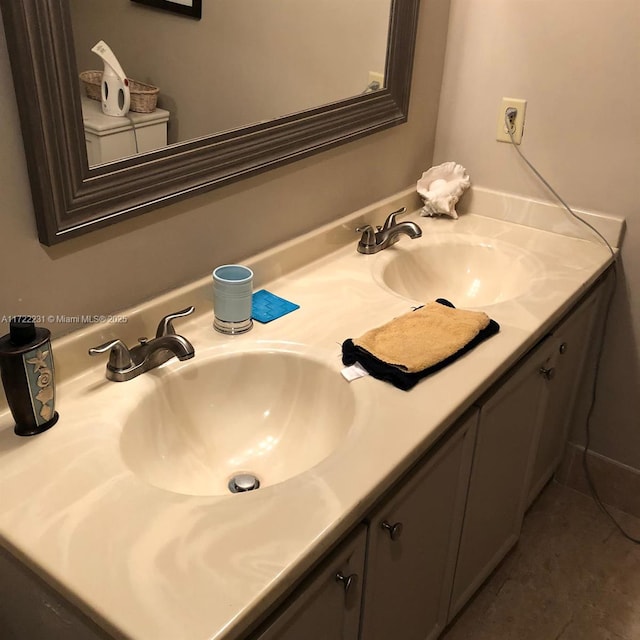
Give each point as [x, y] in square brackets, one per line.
[521, 434]
[507, 436]
[574, 360]
[327, 605]
[412, 545]
[411, 549]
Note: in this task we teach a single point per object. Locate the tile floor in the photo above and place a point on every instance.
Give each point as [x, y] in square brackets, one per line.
[572, 576]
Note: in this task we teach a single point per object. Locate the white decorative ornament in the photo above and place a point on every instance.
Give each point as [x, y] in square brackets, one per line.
[441, 187]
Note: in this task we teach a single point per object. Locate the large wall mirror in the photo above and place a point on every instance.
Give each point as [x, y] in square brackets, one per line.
[249, 86]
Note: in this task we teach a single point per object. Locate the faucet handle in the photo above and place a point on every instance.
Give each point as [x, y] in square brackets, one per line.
[165, 328]
[368, 235]
[119, 355]
[391, 218]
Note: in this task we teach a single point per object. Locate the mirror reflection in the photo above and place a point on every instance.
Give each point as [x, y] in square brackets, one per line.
[241, 64]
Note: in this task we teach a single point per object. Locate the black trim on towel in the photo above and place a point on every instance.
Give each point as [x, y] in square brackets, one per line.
[402, 379]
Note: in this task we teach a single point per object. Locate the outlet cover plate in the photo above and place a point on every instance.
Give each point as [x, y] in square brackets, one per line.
[502, 134]
[376, 76]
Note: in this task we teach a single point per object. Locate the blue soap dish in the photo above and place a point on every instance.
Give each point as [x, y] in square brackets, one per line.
[266, 306]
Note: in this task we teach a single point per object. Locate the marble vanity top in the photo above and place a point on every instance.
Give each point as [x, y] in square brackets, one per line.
[149, 563]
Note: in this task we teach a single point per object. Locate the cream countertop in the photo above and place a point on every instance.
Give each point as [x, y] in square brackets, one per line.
[148, 563]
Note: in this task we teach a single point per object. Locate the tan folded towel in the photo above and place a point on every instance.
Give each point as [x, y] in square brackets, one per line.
[422, 338]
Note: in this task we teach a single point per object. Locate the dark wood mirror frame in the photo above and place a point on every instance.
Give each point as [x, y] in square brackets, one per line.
[70, 199]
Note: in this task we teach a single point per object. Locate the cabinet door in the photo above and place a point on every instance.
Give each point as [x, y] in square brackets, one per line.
[30, 608]
[327, 605]
[412, 545]
[505, 447]
[571, 344]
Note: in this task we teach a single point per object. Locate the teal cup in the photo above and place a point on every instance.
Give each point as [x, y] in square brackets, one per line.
[232, 292]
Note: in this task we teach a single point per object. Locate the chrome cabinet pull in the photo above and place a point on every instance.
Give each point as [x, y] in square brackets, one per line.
[547, 373]
[395, 530]
[347, 581]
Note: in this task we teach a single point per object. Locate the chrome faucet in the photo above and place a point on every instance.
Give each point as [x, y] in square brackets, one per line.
[126, 364]
[374, 240]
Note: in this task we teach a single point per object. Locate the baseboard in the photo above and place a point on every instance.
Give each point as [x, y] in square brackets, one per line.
[618, 485]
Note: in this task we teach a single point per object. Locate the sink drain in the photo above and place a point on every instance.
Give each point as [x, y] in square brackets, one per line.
[243, 482]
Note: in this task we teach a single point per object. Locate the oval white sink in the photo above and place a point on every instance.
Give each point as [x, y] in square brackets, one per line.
[270, 413]
[467, 271]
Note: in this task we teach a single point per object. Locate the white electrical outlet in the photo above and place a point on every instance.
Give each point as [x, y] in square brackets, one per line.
[375, 76]
[502, 134]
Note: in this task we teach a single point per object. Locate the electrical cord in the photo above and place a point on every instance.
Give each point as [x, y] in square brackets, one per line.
[134, 131]
[509, 118]
[374, 85]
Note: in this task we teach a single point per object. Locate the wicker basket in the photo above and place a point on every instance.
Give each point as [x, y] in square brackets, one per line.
[144, 97]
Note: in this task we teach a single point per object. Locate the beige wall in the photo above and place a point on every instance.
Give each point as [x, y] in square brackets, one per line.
[112, 269]
[242, 62]
[577, 62]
